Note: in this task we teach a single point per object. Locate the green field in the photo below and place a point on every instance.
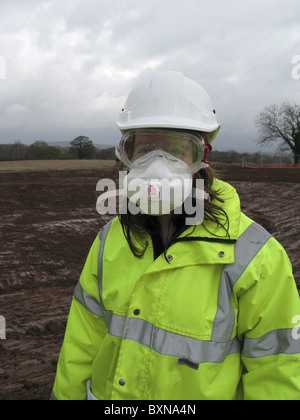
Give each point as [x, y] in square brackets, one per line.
[54, 165]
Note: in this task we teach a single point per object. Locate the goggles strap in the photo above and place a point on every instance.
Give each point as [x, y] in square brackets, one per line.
[207, 150]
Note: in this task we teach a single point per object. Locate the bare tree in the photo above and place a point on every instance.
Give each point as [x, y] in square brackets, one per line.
[17, 150]
[281, 124]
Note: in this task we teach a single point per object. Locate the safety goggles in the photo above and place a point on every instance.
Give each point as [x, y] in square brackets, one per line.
[137, 144]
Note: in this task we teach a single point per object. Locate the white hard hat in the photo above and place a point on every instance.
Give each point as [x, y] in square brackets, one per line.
[168, 99]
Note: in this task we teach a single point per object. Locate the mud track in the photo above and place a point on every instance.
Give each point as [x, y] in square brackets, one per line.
[48, 223]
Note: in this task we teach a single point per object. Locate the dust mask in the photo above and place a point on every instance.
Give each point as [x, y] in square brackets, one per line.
[158, 184]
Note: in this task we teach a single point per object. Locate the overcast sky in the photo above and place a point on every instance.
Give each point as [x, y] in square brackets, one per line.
[66, 67]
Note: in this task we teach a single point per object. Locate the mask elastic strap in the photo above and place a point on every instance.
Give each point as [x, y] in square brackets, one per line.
[207, 151]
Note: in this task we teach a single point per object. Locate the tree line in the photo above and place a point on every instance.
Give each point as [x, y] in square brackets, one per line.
[276, 124]
[41, 150]
[80, 148]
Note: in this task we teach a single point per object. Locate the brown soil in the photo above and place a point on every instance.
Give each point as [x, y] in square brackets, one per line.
[48, 223]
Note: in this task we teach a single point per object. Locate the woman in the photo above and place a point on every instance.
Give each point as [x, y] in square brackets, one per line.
[170, 309]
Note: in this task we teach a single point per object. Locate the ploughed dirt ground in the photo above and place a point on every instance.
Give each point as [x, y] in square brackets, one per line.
[48, 222]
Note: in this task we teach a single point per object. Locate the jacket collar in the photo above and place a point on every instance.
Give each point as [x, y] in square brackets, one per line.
[208, 243]
[231, 206]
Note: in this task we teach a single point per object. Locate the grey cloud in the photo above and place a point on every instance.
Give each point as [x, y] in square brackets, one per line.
[70, 64]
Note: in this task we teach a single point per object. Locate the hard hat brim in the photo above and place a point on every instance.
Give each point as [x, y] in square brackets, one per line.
[167, 123]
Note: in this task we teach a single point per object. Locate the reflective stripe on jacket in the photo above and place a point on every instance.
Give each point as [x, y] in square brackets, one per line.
[213, 321]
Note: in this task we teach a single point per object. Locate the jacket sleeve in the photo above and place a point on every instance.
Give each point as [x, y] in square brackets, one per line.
[269, 306]
[84, 334]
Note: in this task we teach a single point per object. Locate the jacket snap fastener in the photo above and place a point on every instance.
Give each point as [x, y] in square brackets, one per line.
[122, 382]
[222, 254]
[136, 312]
[169, 258]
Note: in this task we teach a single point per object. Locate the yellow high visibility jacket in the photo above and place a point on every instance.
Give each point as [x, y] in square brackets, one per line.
[217, 320]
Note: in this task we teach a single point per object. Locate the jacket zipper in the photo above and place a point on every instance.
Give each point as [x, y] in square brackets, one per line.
[203, 239]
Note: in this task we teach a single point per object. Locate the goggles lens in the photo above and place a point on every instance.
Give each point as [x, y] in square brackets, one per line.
[184, 146]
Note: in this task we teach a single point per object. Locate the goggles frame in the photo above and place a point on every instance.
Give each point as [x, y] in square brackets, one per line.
[197, 139]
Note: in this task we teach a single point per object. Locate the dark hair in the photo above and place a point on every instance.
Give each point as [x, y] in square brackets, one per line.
[139, 225]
